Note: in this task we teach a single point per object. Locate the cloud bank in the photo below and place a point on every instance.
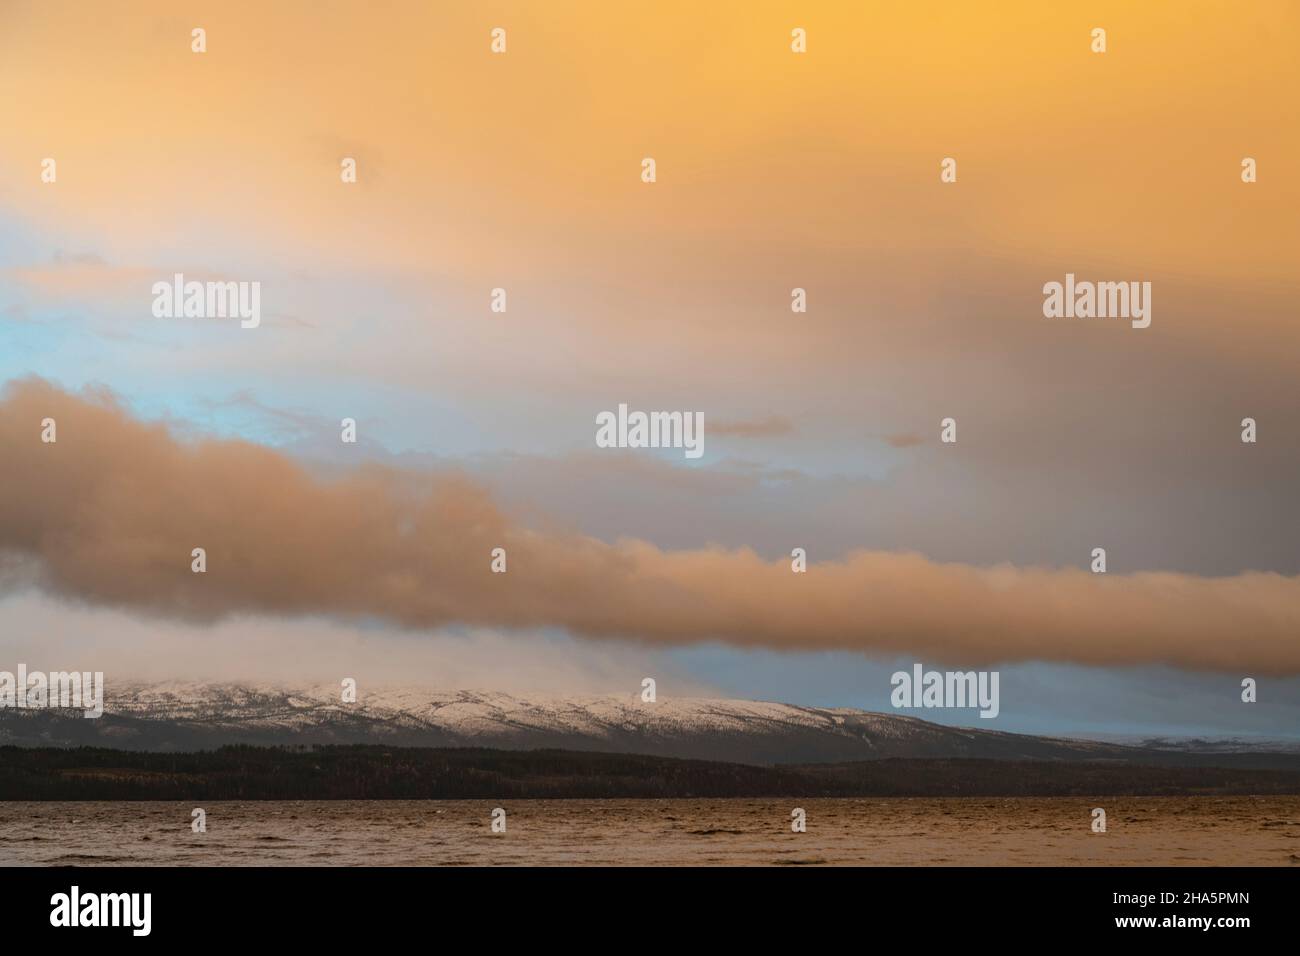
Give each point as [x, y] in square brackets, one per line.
[109, 514]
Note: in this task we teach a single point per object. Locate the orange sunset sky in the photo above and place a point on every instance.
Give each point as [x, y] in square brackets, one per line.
[775, 170]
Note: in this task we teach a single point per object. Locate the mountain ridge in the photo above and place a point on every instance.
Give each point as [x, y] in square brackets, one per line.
[182, 716]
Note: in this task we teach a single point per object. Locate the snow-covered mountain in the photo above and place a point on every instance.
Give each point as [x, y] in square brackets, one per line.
[178, 716]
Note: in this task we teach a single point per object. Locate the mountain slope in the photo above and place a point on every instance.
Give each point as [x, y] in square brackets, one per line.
[188, 716]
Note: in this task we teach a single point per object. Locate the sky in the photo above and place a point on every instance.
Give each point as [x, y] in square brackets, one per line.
[775, 170]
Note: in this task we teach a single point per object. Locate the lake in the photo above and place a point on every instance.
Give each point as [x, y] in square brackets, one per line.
[1174, 831]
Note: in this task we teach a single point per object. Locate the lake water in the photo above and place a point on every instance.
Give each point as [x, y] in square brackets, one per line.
[1239, 831]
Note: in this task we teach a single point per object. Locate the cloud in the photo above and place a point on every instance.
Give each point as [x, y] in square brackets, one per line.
[47, 634]
[770, 427]
[109, 514]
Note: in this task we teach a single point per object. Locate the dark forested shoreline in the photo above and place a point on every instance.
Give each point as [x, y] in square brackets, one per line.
[379, 773]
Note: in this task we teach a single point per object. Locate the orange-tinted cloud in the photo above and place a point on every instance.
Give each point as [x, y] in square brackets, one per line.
[771, 427]
[110, 512]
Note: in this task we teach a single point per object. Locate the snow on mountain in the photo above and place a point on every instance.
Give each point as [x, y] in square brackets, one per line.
[174, 716]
